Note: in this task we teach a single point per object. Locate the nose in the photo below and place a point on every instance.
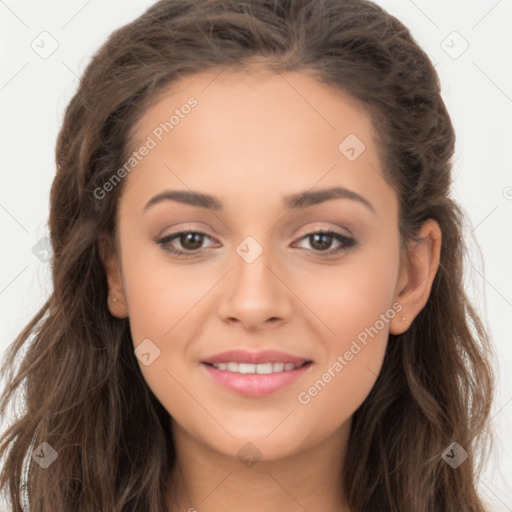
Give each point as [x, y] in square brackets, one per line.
[255, 294]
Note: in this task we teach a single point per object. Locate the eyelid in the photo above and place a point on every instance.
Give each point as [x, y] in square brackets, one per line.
[323, 227]
[307, 230]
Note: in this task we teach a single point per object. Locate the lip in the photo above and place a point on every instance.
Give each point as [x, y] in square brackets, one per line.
[253, 384]
[264, 356]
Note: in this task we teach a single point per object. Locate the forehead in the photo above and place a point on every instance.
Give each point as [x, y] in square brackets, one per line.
[257, 131]
[255, 101]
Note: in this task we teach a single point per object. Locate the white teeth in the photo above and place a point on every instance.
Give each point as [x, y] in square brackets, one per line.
[278, 367]
[264, 368]
[247, 368]
[260, 369]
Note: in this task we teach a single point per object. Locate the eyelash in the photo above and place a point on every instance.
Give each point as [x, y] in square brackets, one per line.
[347, 242]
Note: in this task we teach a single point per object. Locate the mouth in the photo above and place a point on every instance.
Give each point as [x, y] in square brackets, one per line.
[255, 380]
[258, 369]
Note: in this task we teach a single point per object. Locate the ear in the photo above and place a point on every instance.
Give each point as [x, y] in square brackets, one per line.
[416, 275]
[117, 304]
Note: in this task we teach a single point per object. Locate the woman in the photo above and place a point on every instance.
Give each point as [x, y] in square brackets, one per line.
[314, 348]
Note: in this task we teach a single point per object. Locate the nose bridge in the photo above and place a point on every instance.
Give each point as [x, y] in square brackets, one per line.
[251, 273]
[256, 294]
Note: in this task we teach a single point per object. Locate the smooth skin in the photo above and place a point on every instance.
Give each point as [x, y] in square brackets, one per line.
[253, 139]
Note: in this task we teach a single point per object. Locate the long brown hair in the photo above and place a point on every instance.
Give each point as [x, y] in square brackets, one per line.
[79, 381]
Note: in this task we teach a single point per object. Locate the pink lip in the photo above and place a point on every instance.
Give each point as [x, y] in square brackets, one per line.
[265, 356]
[252, 384]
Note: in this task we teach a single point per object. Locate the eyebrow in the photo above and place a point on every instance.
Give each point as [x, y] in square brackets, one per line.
[292, 202]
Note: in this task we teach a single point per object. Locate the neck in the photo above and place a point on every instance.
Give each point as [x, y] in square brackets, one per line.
[205, 480]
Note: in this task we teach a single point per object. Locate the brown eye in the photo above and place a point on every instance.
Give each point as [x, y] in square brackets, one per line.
[321, 241]
[189, 243]
[191, 240]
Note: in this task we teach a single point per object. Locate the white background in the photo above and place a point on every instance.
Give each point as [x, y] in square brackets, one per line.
[477, 88]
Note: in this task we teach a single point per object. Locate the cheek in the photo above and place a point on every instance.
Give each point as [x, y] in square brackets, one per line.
[349, 297]
[162, 304]
[161, 293]
[162, 298]
[354, 302]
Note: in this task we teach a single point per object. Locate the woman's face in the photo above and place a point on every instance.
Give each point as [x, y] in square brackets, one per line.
[265, 148]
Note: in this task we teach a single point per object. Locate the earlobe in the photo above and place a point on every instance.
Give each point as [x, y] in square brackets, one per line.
[116, 301]
[417, 274]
